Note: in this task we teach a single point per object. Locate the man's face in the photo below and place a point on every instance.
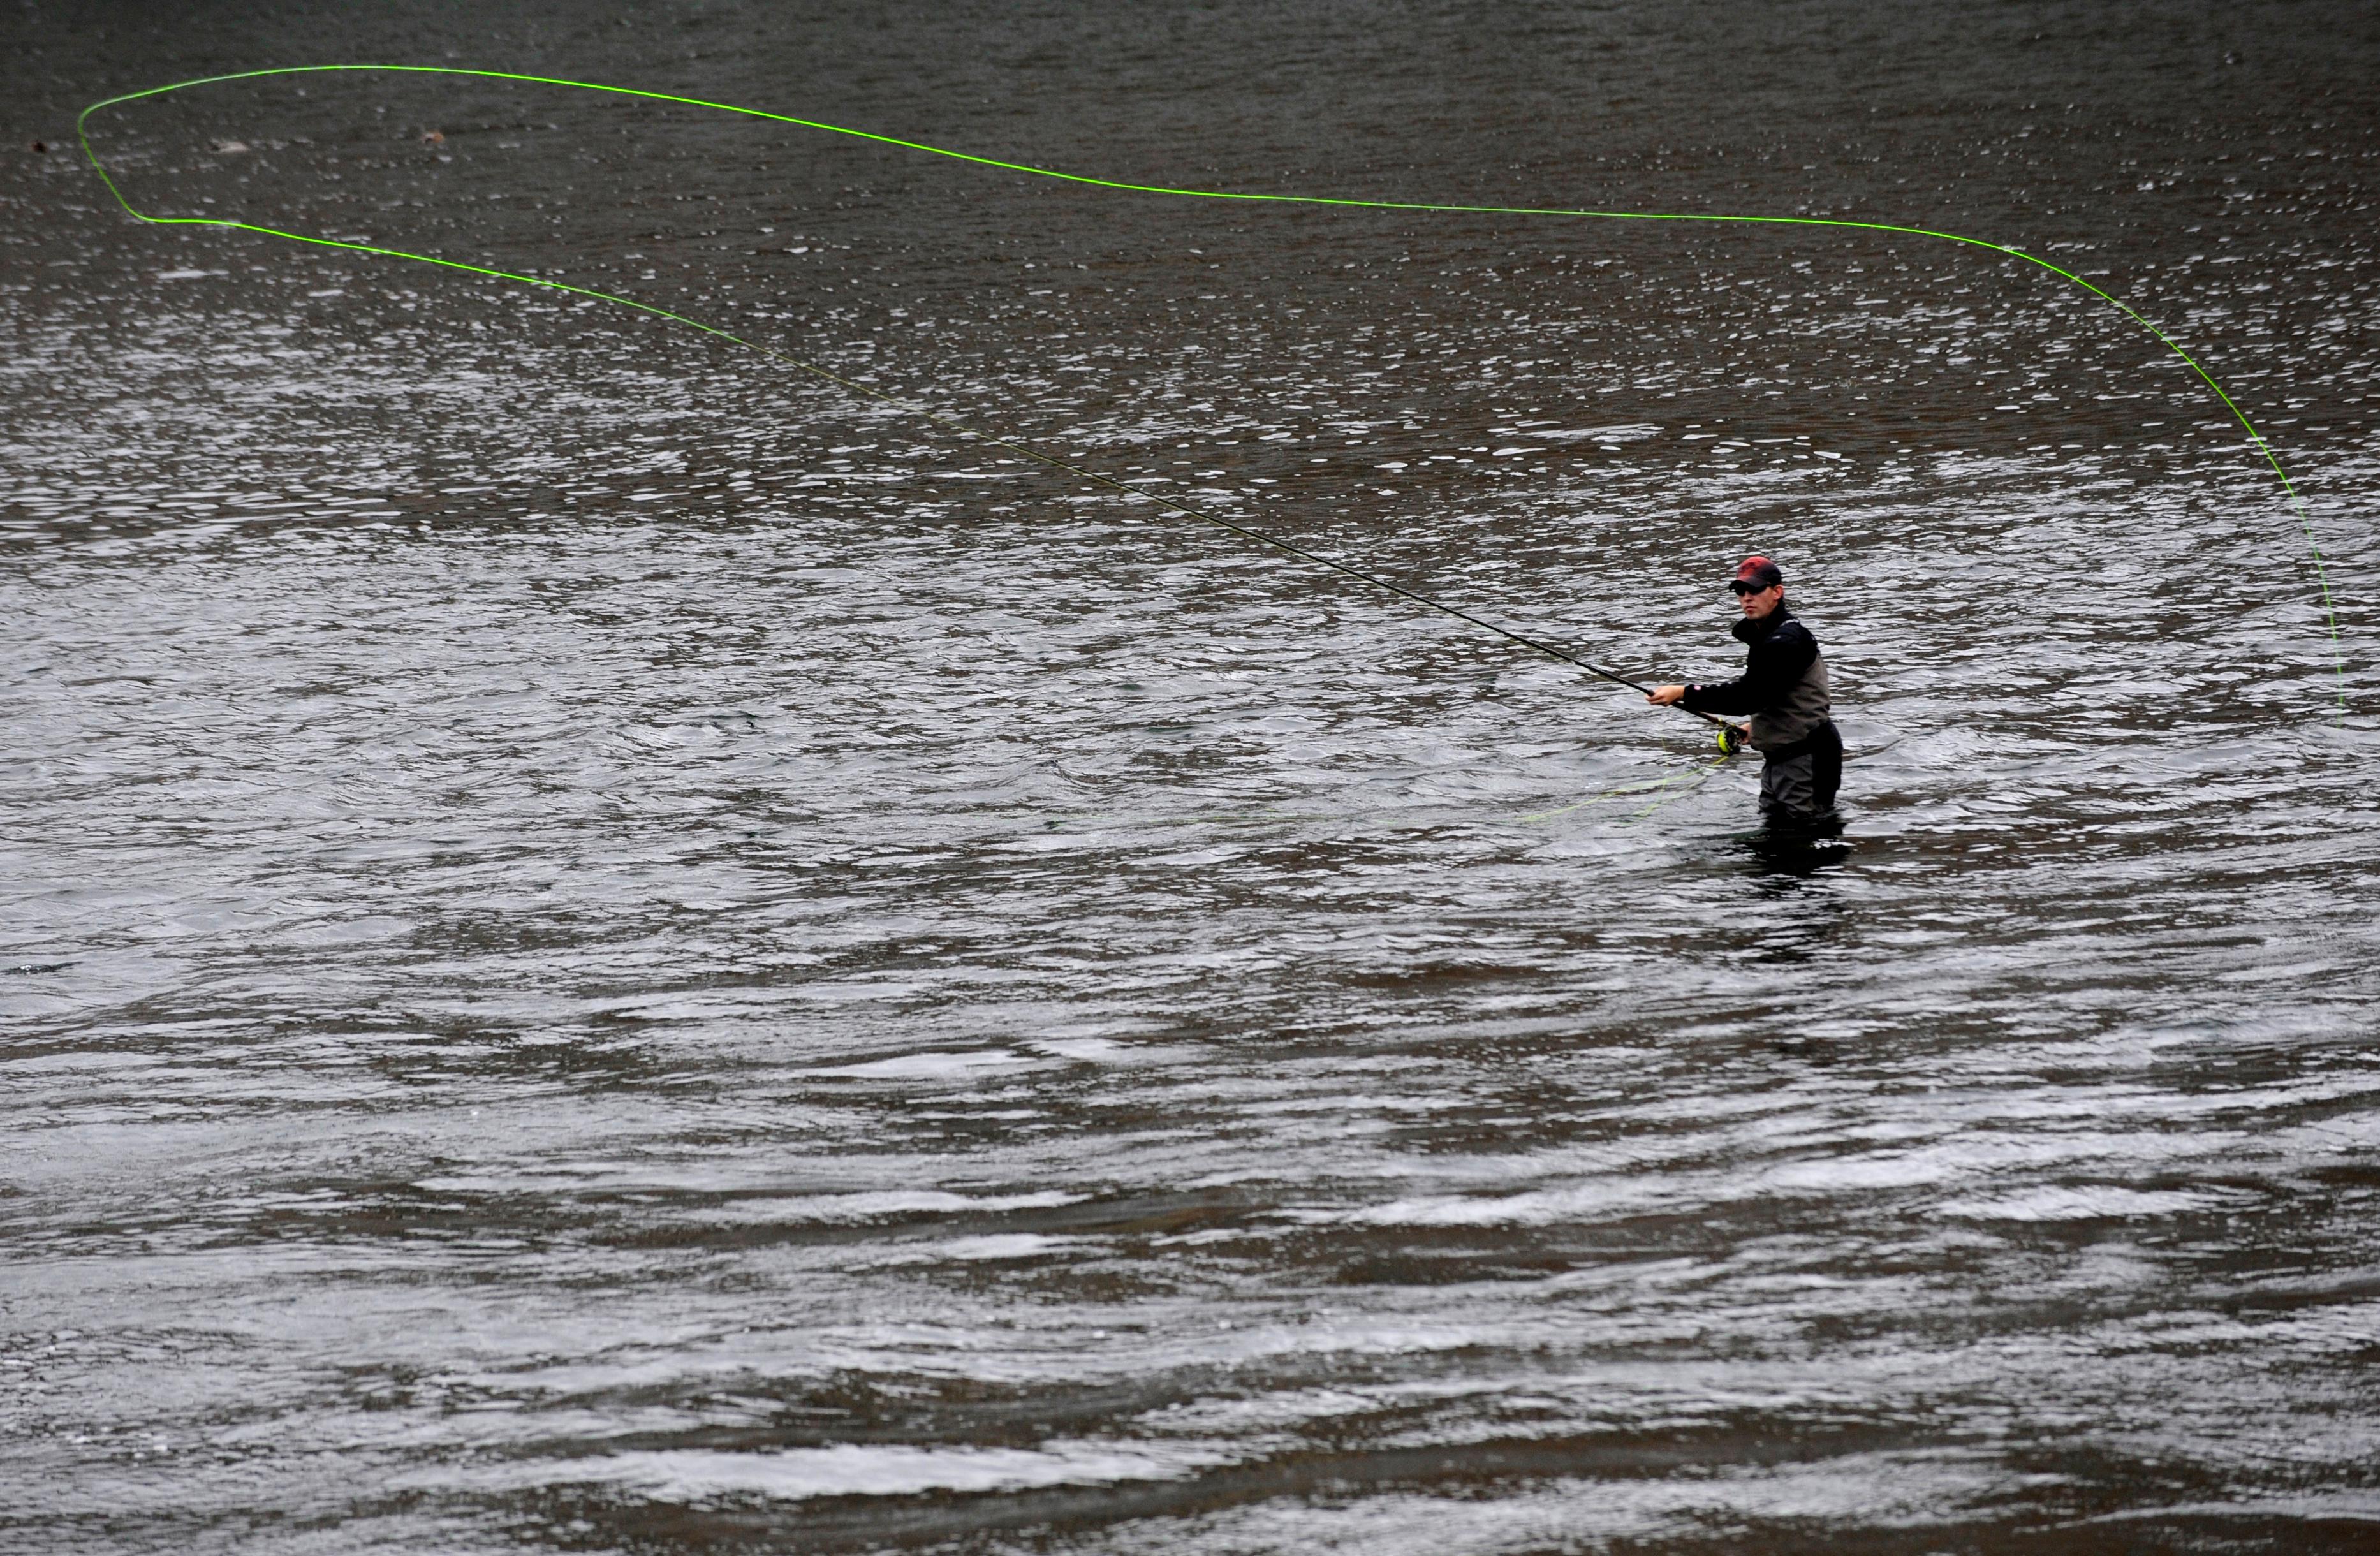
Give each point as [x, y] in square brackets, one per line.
[1758, 603]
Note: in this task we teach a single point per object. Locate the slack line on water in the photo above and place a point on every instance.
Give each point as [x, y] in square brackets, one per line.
[1726, 731]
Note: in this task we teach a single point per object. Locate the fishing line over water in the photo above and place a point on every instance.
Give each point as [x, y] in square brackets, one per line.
[1052, 461]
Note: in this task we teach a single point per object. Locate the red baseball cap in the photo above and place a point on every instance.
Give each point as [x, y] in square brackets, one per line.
[1755, 574]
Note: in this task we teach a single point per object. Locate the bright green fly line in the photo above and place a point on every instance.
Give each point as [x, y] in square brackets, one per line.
[2305, 516]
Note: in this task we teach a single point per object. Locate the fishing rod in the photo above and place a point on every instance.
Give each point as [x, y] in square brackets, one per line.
[1730, 736]
[1727, 732]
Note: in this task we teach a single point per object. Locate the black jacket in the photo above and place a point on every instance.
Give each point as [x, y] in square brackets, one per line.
[1777, 686]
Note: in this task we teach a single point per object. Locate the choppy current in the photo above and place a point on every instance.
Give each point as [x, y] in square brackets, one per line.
[606, 948]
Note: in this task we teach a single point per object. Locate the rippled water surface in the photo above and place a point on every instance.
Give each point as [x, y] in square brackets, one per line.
[609, 946]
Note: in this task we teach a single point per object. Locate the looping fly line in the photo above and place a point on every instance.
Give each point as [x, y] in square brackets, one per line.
[2305, 516]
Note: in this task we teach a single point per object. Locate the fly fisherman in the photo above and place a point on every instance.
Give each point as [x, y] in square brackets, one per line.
[1784, 688]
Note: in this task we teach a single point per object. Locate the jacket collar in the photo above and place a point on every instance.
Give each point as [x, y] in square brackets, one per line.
[1747, 630]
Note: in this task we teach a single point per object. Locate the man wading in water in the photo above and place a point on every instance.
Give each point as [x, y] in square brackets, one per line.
[1784, 688]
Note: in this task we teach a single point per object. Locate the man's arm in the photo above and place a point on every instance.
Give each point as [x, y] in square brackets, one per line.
[1770, 671]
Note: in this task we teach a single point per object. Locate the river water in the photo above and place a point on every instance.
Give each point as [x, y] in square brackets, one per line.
[610, 947]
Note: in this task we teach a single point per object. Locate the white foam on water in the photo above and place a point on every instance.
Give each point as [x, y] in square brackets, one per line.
[881, 1204]
[2080, 1203]
[932, 1065]
[847, 1470]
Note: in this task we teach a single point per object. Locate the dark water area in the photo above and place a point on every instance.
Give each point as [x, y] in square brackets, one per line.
[606, 946]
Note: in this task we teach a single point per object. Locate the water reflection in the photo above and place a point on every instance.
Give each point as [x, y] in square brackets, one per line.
[1785, 853]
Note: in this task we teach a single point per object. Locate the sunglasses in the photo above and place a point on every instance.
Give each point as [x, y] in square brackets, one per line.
[1740, 589]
